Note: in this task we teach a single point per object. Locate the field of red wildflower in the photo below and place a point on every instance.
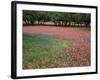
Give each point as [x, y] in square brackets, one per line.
[78, 51]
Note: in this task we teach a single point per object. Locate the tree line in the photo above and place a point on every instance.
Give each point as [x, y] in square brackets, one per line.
[58, 18]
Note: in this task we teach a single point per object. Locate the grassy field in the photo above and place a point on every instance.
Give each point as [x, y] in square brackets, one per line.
[41, 51]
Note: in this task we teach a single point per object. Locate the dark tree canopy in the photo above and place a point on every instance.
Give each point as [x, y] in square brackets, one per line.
[58, 18]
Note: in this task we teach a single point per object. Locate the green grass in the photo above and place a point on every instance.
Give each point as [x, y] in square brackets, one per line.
[40, 51]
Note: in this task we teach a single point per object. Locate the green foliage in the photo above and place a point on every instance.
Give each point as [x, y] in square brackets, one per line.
[59, 18]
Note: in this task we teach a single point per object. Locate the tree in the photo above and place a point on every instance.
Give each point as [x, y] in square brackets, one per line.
[59, 18]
